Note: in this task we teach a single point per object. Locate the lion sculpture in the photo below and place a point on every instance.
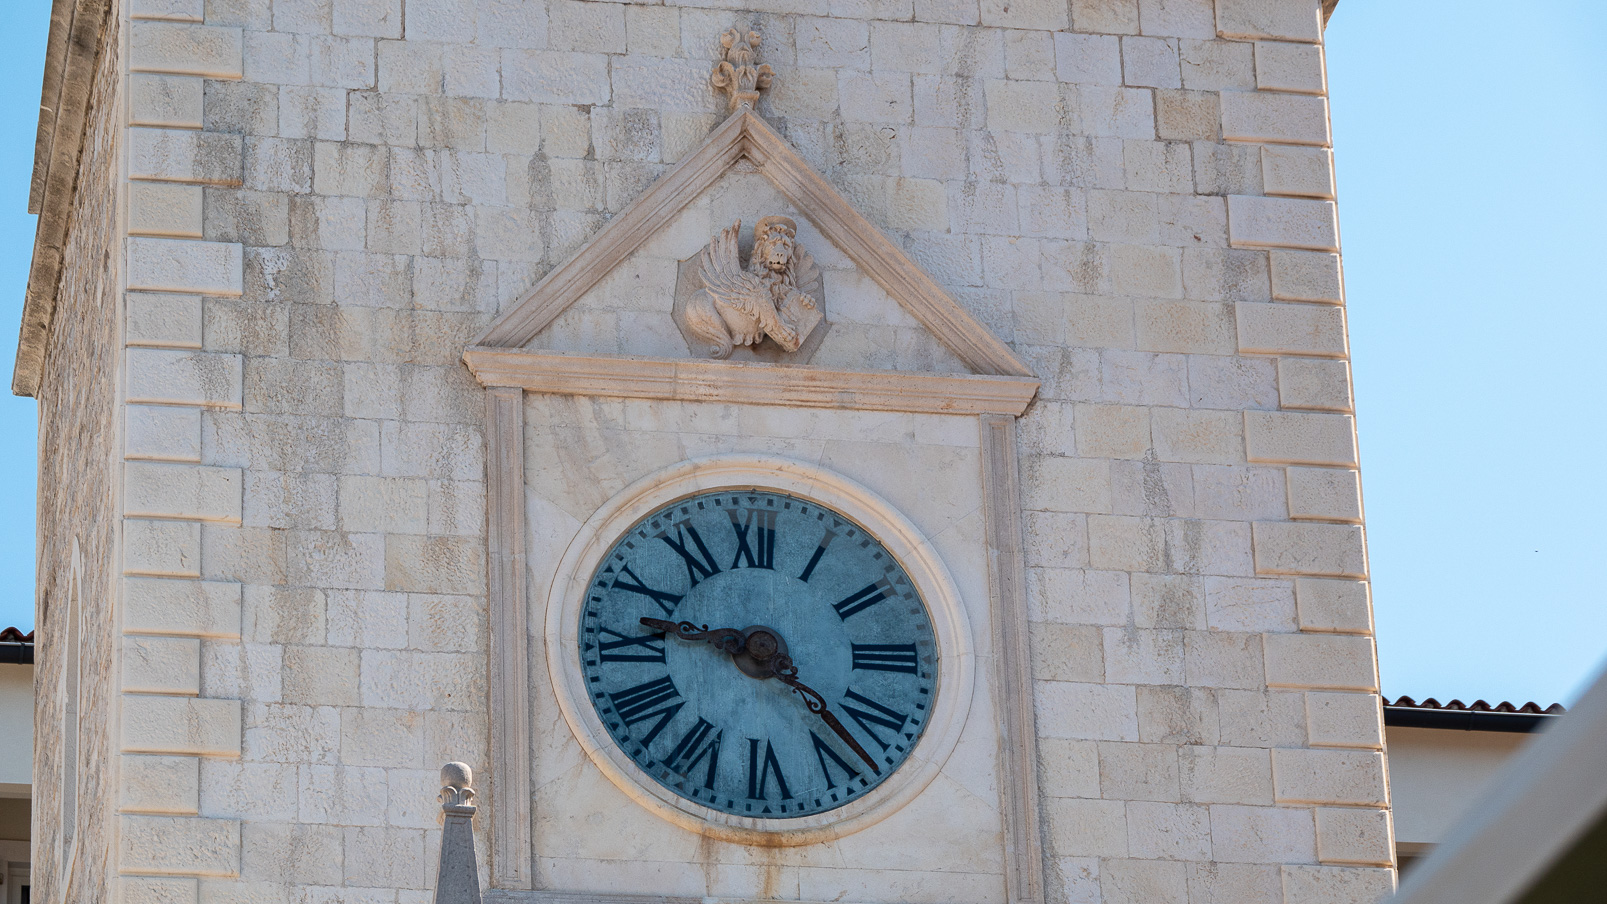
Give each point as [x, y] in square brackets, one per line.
[776, 295]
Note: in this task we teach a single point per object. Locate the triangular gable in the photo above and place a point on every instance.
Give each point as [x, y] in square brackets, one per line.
[745, 134]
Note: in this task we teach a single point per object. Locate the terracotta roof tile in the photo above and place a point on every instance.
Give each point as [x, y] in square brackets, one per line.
[1478, 706]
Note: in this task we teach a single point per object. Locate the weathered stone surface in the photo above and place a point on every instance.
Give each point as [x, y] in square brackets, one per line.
[173, 10]
[1354, 835]
[1335, 884]
[164, 433]
[162, 665]
[1282, 223]
[1297, 171]
[180, 845]
[1298, 438]
[1320, 661]
[160, 784]
[1306, 276]
[1329, 605]
[1291, 329]
[1325, 494]
[170, 265]
[167, 101]
[164, 548]
[326, 209]
[204, 50]
[200, 608]
[1314, 383]
[1337, 550]
[160, 724]
[1275, 118]
[154, 490]
[1345, 720]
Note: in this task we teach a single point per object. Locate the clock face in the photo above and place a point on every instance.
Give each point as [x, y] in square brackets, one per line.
[788, 665]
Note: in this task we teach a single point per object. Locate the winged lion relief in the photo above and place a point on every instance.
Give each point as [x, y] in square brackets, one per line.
[773, 307]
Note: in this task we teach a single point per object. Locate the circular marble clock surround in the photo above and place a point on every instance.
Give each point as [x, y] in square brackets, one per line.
[811, 484]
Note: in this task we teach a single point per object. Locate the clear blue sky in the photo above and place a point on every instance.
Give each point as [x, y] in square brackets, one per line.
[1472, 161]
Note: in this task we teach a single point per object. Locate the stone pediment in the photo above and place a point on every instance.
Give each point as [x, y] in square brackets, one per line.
[617, 296]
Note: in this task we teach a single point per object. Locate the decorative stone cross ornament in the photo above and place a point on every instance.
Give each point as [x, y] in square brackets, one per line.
[740, 73]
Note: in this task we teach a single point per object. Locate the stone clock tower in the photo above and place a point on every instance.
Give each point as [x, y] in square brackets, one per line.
[828, 452]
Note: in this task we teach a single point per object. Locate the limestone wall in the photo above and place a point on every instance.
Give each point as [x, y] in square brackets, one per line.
[78, 435]
[330, 198]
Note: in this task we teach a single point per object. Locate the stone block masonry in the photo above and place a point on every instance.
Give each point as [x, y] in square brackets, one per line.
[175, 717]
[74, 368]
[1304, 682]
[324, 201]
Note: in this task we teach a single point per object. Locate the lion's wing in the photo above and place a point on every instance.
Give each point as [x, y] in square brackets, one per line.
[723, 273]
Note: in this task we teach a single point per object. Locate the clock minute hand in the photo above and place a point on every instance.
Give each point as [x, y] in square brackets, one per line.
[813, 699]
[779, 665]
[726, 640]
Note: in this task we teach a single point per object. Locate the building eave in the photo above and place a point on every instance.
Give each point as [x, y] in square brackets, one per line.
[1542, 804]
[1405, 712]
[1463, 720]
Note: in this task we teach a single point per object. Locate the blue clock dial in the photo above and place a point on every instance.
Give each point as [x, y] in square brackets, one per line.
[758, 654]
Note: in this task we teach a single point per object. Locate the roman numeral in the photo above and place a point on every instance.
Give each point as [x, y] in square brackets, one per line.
[762, 522]
[887, 718]
[666, 601]
[760, 770]
[699, 563]
[823, 751]
[647, 648]
[863, 599]
[693, 747]
[815, 559]
[635, 704]
[886, 657]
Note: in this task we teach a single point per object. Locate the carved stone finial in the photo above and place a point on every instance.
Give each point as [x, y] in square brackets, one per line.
[740, 72]
[457, 881]
[777, 296]
[457, 798]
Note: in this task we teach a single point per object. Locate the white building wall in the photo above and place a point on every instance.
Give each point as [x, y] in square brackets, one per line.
[16, 730]
[1435, 777]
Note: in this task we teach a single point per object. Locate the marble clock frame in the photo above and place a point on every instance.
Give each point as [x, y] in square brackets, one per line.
[997, 392]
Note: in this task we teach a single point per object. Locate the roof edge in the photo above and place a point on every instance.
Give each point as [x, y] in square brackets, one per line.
[1464, 720]
[75, 43]
[1536, 807]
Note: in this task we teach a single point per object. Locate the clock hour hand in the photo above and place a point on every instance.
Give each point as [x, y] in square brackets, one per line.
[726, 640]
[769, 662]
[788, 673]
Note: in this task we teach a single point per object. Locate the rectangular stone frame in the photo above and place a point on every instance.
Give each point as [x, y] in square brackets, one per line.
[512, 863]
[1007, 589]
[508, 374]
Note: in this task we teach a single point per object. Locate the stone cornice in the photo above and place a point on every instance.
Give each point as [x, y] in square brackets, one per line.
[77, 29]
[749, 384]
